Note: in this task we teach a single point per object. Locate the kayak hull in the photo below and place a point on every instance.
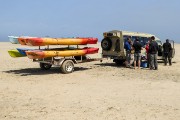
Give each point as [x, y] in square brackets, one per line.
[13, 39]
[24, 40]
[15, 53]
[22, 51]
[60, 53]
[56, 41]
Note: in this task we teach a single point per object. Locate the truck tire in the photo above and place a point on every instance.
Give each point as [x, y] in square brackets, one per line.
[106, 44]
[119, 62]
[67, 67]
[45, 66]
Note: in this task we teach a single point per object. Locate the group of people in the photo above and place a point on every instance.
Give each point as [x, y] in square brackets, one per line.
[151, 53]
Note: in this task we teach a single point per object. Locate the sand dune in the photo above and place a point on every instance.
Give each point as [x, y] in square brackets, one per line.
[95, 91]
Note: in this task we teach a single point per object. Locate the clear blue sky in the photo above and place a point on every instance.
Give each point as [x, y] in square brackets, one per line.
[89, 18]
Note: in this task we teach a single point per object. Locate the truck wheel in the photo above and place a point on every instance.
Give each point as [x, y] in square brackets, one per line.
[45, 66]
[67, 67]
[119, 62]
[106, 44]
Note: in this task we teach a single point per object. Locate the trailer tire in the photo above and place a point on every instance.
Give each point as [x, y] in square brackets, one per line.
[67, 66]
[106, 44]
[45, 66]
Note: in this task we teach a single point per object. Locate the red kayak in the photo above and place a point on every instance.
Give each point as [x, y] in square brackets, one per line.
[39, 54]
[56, 41]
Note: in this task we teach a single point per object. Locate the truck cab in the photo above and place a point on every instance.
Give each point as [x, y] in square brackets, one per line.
[113, 44]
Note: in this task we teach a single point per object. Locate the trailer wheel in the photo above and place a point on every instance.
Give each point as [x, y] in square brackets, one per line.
[45, 66]
[67, 67]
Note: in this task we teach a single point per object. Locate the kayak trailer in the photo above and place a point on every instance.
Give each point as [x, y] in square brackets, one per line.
[66, 64]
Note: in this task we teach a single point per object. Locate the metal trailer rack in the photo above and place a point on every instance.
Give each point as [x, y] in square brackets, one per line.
[66, 64]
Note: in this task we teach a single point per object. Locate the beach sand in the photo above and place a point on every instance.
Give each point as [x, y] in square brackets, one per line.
[94, 91]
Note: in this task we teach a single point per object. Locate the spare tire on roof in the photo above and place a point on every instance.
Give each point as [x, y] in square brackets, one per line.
[106, 44]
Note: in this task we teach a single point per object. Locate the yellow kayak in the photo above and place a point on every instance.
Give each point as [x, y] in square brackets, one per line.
[15, 53]
[39, 54]
[56, 41]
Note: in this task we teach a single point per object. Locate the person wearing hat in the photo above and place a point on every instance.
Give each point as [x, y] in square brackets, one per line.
[153, 49]
[137, 46]
[167, 49]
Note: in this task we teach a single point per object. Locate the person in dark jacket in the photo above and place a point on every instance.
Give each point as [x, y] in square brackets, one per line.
[137, 46]
[127, 47]
[167, 49]
[153, 49]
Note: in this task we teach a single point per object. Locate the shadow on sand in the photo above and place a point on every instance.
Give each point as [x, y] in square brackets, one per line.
[110, 65]
[163, 62]
[123, 66]
[38, 71]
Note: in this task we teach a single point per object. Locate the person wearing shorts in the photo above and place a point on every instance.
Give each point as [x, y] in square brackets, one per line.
[137, 54]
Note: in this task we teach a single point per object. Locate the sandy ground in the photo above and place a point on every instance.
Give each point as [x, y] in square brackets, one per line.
[95, 91]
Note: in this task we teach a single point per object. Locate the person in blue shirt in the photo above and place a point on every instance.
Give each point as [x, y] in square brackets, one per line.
[127, 47]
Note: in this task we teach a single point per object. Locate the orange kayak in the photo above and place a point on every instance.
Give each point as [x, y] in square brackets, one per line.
[39, 54]
[56, 41]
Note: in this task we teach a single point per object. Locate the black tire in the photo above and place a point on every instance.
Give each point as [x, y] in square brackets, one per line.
[45, 66]
[67, 67]
[119, 62]
[106, 44]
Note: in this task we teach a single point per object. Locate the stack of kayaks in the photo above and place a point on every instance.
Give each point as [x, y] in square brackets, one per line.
[54, 52]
